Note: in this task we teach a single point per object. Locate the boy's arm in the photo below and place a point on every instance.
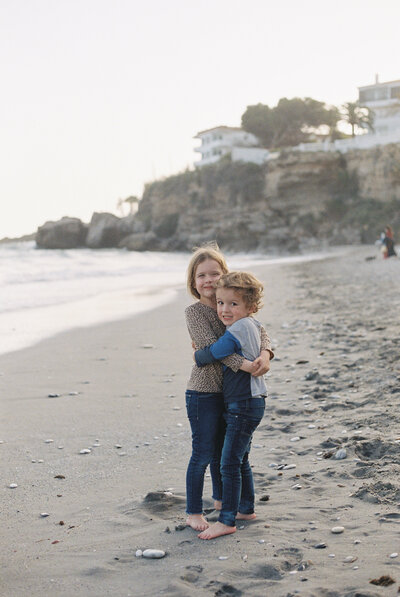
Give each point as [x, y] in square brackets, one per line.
[225, 346]
[202, 334]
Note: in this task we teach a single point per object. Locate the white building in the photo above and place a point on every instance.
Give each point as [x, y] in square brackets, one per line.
[226, 140]
[384, 100]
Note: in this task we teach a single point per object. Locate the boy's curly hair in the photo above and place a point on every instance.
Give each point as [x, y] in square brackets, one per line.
[247, 285]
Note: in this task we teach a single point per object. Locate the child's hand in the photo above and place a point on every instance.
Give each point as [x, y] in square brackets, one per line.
[261, 364]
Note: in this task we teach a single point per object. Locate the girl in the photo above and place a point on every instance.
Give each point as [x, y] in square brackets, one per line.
[204, 399]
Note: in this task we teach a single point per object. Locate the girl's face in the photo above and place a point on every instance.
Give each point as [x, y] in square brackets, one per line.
[205, 279]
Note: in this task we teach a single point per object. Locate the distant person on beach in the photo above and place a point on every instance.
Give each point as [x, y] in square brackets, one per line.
[204, 398]
[239, 296]
[387, 241]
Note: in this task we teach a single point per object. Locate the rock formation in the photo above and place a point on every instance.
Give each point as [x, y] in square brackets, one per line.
[67, 233]
[299, 200]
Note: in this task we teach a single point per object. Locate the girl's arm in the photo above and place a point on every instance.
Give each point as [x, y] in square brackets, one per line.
[203, 334]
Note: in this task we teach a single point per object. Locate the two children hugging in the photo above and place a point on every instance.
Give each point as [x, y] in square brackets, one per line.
[224, 405]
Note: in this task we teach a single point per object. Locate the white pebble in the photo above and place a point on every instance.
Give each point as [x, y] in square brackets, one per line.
[287, 467]
[349, 559]
[44, 514]
[179, 425]
[138, 553]
[85, 451]
[13, 485]
[340, 454]
[311, 426]
[121, 453]
[223, 557]
[337, 530]
[297, 486]
[261, 540]
[295, 439]
[273, 464]
[48, 441]
[357, 541]
[331, 555]
[153, 554]
[147, 345]
[72, 393]
[394, 555]
[176, 408]
[40, 460]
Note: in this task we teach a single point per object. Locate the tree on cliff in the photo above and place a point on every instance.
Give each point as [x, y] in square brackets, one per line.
[358, 117]
[290, 122]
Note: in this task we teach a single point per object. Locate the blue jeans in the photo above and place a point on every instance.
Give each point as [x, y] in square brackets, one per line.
[242, 418]
[205, 412]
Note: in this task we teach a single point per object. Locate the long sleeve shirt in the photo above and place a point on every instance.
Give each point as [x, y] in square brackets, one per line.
[205, 328]
[242, 337]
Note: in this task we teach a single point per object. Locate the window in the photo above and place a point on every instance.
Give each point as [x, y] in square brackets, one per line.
[395, 92]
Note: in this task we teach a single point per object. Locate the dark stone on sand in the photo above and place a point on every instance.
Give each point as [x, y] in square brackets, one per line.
[67, 233]
[383, 581]
[320, 546]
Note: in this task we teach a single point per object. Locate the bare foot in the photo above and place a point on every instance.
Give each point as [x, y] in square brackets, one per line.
[197, 522]
[217, 504]
[217, 530]
[246, 516]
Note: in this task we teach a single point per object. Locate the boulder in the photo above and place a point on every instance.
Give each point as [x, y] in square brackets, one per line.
[67, 233]
[142, 241]
[107, 230]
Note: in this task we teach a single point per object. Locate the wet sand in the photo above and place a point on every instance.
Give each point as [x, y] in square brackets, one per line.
[334, 385]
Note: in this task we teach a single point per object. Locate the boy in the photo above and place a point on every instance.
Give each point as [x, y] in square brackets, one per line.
[238, 298]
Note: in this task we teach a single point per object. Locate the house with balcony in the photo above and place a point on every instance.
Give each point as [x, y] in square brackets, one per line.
[233, 141]
[384, 100]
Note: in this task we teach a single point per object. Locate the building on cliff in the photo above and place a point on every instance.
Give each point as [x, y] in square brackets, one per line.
[384, 100]
[225, 140]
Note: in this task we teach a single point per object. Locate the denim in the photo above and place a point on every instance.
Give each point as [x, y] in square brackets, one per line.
[205, 412]
[242, 418]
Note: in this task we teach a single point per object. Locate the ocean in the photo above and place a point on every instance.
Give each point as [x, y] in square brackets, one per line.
[45, 292]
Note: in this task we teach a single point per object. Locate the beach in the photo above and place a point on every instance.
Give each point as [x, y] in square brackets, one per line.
[115, 391]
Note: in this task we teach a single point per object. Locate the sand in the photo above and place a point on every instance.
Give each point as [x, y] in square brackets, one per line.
[335, 383]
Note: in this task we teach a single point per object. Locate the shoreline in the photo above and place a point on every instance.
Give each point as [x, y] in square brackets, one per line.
[334, 383]
[27, 327]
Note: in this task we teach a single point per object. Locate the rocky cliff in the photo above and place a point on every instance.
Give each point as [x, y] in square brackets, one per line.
[296, 201]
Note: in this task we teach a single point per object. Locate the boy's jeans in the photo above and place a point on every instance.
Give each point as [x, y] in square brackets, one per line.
[242, 418]
[205, 412]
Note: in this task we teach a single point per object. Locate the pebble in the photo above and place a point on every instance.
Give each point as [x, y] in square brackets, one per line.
[122, 453]
[223, 557]
[73, 393]
[320, 546]
[44, 514]
[394, 555]
[138, 553]
[53, 395]
[40, 460]
[153, 554]
[147, 345]
[85, 451]
[118, 446]
[287, 467]
[13, 485]
[273, 464]
[337, 530]
[331, 555]
[297, 486]
[341, 454]
[295, 439]
[261, 541]
[350, 559]
[48, 441]
[311, 426]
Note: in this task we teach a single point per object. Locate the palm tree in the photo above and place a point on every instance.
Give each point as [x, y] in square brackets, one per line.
[358, 116]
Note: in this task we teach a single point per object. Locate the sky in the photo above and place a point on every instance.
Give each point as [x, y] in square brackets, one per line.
[100, 97]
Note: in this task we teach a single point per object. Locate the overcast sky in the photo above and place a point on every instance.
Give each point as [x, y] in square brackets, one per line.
[101, 96]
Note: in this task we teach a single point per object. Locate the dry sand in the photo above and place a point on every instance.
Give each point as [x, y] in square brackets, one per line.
[334, 384]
